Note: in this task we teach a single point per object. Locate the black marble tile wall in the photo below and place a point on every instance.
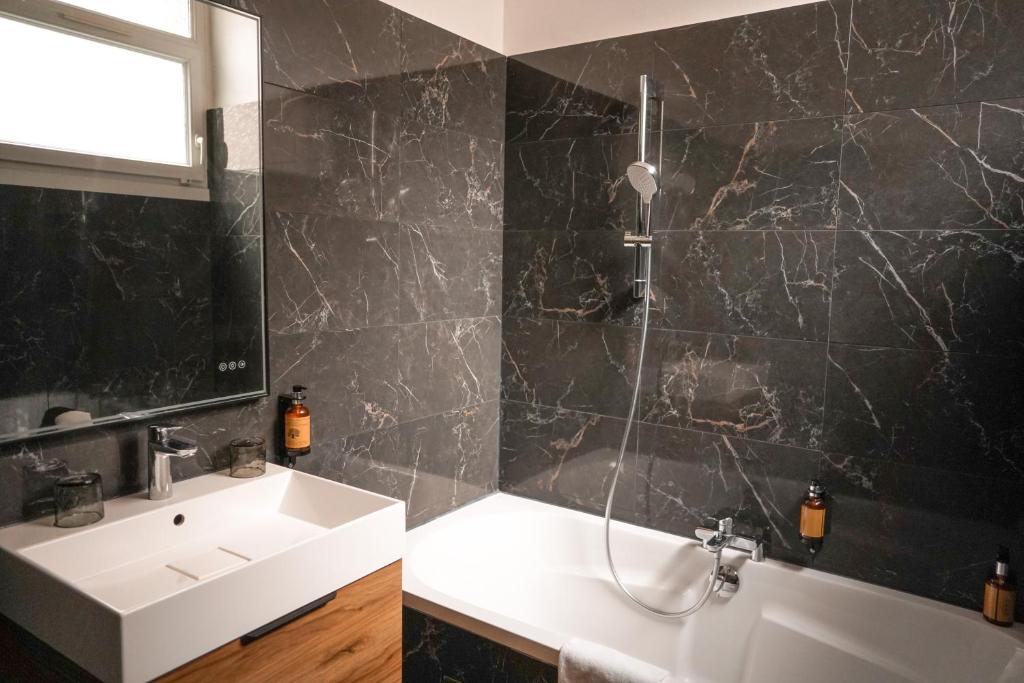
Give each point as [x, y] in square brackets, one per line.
[82, 272]
[433, 650]
[236, 203]
[838, 296]
[771, 175]
[384, 187]
[771, 66]
[592, 89]
[925, 52]
[450, 83]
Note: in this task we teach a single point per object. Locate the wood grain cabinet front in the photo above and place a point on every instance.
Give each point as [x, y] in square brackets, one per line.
[355, 637]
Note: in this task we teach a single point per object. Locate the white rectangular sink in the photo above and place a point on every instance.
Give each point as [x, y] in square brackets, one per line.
[158, 583]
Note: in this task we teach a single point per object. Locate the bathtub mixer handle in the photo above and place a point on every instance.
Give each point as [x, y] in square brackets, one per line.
[716, 540]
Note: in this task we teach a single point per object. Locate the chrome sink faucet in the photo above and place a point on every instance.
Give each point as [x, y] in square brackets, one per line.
[162, 447]
[715, 540]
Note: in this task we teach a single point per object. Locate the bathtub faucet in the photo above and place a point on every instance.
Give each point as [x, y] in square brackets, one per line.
[715, 540]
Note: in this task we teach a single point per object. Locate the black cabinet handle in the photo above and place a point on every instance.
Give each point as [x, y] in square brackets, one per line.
[258, 633]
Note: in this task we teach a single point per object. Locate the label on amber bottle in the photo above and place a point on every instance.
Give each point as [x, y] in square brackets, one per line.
[296, 433]
[999, 604]
[812, 522]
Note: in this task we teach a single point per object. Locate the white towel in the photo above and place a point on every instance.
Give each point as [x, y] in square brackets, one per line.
[581, 661]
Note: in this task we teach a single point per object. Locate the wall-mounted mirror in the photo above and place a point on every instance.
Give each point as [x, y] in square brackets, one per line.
[131, 212]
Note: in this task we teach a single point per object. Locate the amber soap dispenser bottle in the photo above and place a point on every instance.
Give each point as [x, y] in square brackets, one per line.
[1000, 592]
[297, 424]
[813, 516]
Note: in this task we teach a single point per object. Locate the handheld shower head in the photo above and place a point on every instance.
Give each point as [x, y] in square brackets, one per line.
[644, 179]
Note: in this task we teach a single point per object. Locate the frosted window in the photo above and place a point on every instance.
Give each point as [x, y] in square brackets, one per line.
[91, 97]
[164, 15]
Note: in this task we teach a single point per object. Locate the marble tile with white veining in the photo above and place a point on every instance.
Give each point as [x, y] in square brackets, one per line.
[578, 90]
[433, 650]
[108, 302]
[785, 64]
[328, 46]
[567, 458]
[577, 366]
[450, 82]
[451, 180]
[236, 204]
[352, 377]
[586, 276]
[134, 216]
[453, 458]
[887, 520]
[940, 290]
[238, 323]
[448, 365]
[570, 184]
[690, 478]
[332, 156]
[367, 460]
[159, 384]
[118, 334]
[765, 284]
[941, 168]
[448, 273]
[780, 175]
[763, 389]
[952, 411]
[909, 54]
[133, 248]
[330, 273]
[125, 372]
[43, 283]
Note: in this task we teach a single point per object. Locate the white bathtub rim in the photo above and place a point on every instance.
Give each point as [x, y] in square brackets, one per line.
[542, 644]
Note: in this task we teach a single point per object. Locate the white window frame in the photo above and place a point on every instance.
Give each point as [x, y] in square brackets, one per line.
[39, 167]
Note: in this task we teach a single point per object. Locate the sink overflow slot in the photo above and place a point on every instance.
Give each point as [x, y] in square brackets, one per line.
[179, 520]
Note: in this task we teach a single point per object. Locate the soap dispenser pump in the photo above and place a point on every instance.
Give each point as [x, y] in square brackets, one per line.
[1000, 591]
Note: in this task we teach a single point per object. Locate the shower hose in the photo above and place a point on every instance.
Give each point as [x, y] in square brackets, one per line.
[713, 577]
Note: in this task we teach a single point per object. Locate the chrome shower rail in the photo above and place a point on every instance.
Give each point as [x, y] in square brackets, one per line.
[641, 275]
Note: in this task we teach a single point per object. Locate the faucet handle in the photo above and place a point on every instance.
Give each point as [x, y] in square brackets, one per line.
[725, 526]
[162, 433]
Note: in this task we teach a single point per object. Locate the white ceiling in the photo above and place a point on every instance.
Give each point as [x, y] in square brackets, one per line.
[517, 26]
[482, 21]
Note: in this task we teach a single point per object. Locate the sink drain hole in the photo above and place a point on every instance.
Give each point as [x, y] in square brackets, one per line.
[179, 520]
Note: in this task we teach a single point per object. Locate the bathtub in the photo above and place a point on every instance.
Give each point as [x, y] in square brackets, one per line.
[530, 575]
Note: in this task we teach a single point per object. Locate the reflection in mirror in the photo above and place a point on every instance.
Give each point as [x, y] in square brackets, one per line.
[131, 213]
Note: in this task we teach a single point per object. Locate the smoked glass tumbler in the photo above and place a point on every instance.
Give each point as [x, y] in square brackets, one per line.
[78, 500]
[248, 457]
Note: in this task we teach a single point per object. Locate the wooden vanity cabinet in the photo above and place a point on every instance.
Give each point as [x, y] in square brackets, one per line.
[356, 637]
